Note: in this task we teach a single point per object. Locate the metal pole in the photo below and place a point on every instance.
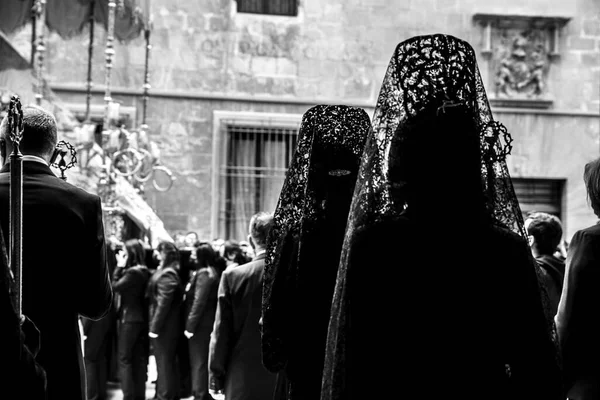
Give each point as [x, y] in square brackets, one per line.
[34, 18]
[89, 85]
[146, 78]
[109, 52]
[15, 125]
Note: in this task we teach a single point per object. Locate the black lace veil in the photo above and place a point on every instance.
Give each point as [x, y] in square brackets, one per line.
[436, 72]
[442, 70]
[330, 143]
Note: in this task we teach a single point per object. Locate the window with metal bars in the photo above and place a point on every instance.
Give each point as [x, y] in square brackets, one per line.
[255, 160]
[270, 7]
[544, 195]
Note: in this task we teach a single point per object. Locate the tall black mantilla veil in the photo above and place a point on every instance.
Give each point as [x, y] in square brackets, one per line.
[305, 244]
[437, 292]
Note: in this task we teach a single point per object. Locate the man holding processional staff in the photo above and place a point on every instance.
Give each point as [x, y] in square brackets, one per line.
[63, 272]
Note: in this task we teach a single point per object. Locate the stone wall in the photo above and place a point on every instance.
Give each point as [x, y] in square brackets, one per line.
[555, 147]
[334, 51]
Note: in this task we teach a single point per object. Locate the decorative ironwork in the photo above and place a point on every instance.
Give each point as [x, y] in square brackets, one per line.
[496, 142]
[109, 53]
[124, 154]
[40, 49]
[133, 156]
[168, 173]
[106, 185]
[62, 149]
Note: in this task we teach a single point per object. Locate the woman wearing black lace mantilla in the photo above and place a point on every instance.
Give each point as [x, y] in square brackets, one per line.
[410, 318]
[305, 244]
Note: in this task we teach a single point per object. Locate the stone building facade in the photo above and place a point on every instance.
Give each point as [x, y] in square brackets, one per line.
[229, 87]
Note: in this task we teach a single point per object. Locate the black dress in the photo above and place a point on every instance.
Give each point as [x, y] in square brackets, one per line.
[305, 244]
[437, 294]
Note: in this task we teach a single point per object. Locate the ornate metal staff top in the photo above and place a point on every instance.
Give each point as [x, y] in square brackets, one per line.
[15, 256]
[62, 148]
[40, 49]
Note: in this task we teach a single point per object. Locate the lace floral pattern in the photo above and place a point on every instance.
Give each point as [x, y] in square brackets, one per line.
[435, 70]
[424, 70]
[331, 141]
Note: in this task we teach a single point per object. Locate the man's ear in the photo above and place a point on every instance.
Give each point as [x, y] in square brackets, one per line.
[251, 242]
[530, 240]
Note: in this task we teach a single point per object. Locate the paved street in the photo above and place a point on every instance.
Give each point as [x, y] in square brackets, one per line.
[114, 390]
[115, 393]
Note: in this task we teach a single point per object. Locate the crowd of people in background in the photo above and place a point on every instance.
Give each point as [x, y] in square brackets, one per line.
[350, 289]
[166, 305]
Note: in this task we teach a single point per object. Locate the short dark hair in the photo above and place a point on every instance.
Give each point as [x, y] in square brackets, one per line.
[171, 253]
[260, 226]
[547, 231]
[136, 255]
[205, 255]
[39, 131]
[591, 177]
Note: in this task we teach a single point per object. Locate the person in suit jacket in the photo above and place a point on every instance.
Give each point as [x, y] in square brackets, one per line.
[130, 281]
[578, 317]
[201, 307]
[166, 298]
[97, 336]
[98, 343]
[63, 235]
[235, 364]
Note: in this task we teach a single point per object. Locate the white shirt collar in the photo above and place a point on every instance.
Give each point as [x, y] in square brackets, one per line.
[260, 253]
[35, 159]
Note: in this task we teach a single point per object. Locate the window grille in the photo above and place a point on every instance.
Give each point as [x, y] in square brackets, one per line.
[253, 165]
[270, 7]
[543, 195]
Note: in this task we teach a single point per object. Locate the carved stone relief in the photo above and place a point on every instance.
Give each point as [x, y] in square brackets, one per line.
[518, 54]
[520, 64]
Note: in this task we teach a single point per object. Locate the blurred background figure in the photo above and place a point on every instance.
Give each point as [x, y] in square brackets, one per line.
[190, 240]
[235, 365]
[545, 236]
[166, 295]
[130, 281]
[578, 317]
[200, 310]
[179, 239]
[217, 244]
[247, 250]
[231, 252]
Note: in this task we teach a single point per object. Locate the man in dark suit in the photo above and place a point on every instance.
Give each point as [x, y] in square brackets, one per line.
[235, 365]
[64, 255]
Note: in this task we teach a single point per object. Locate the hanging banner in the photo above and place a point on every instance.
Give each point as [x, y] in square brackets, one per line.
[69, 18]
